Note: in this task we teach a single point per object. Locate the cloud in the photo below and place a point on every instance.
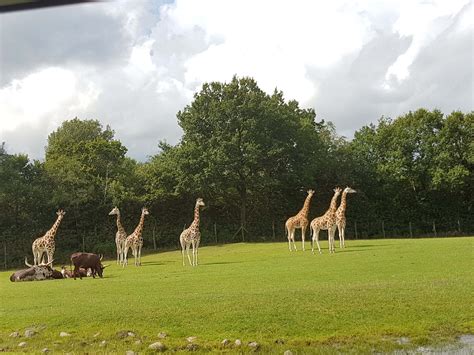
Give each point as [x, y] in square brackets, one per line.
[133, 65]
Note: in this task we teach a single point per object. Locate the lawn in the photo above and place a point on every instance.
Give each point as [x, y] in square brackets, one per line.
[377, 295]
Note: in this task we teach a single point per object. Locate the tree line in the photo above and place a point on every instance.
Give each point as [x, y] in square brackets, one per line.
[252, 156]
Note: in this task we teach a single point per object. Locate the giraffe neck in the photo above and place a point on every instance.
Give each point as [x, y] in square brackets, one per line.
[119, 224]
[342, 206]
[52, 232]
[333, 205]
[139, 229]
[305, 209]
[196, 215]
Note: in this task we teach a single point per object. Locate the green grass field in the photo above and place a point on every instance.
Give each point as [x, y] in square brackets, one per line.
[363, 298]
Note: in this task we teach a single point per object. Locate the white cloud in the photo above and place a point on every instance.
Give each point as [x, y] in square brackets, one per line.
[134, 64]
[422, 22]
[42, 100]
[274, 42]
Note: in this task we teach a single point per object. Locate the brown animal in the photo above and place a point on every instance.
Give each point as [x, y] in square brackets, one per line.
[68, 274]
[87, 261]
[33, 273]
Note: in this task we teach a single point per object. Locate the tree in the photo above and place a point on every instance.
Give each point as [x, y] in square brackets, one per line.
[240, 143]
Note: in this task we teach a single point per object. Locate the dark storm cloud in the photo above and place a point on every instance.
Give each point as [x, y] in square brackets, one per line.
[78, 34]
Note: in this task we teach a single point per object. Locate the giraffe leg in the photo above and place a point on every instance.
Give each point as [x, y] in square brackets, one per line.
[193, 243]
[303, 232]
[331, 233]
[316, 238]
[188, 245]
[118, 252]
[125, 259]
[339, 233]
[182, 250]
[343, 234]
[289, 238]
[135, 252]
[293, 231]
[197, 249]
[140, 255]
[50, 254]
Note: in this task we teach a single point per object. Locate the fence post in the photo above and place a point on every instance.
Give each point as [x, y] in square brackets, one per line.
[434, 229]
[355, 228]
[215, 231]
[154, 239]
[459, 226]
[383, 229]
[411, 232]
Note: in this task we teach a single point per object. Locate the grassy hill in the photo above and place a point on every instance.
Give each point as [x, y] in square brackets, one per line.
[375, 294]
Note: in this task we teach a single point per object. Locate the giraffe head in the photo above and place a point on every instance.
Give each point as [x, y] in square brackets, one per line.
[145, 211]
[114, 211]
[200, 202]
[349, 190]
[310, 192]
[61, 213]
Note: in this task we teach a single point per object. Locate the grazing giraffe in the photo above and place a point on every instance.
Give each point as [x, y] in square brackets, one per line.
[120, 236]
[298, 221]
[341, 216]
[46, 243]
[135, 241]
[326, 222]
[192, 235]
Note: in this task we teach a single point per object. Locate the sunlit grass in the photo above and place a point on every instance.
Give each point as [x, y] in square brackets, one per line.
[364, 297]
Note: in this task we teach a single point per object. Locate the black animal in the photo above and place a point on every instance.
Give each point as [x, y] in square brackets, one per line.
[87, 261]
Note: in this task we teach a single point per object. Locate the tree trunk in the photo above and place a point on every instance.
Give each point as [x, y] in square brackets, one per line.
[243, 211]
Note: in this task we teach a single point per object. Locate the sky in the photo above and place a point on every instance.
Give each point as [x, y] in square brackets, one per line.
[134, 64]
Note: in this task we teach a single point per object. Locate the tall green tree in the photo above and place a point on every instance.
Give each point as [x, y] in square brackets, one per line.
[240, 143]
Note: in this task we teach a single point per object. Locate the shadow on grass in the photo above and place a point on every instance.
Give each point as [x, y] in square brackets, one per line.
[151, 263]
[369, 246]
[222, 263]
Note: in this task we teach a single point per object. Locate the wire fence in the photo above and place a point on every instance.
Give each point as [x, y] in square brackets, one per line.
[162, 238]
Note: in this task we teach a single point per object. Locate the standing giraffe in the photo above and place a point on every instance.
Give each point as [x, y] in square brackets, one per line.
[326, 222]
[135, 241]
[120, 236]
[298, 221]
[341, 216]
[46, 242]
[192, 235]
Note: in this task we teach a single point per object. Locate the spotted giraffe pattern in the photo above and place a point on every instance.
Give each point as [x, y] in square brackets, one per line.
[298, 221]
[191, 236]
[46, 244]
[120, 236]
[326, 222]
[135, 241]
[341, 216]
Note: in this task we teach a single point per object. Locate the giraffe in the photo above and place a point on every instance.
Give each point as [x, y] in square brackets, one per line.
[298, 221]
[120, 236]
[191, 236]
[135, 241]
[341, 216]
[326, 222]
[46, 243]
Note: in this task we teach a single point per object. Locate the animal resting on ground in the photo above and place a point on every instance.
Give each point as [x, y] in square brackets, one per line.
[87, 261]
[68, 274]
[43, 271]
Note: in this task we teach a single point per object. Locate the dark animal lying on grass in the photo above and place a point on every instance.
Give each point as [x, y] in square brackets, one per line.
[87, 261]
[68, 274]
[35, 273]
